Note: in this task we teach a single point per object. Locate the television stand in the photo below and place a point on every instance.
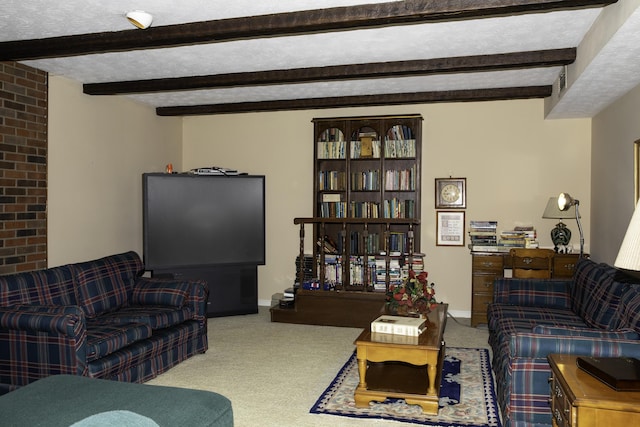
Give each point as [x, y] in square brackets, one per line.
[233, 288]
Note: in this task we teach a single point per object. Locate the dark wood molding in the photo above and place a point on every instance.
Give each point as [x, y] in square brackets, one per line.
[516, 60]
[283, 24]
[470, 95]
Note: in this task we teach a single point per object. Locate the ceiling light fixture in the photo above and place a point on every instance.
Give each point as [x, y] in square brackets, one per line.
[140, 18]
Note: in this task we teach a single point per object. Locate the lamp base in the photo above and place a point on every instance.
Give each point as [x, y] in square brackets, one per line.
[560, 235]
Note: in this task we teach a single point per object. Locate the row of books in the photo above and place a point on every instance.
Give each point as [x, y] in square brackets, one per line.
[401, 148]
[374, 265]
[368, 180]
[395, 132]
[332, 180]
[403, 180]
[367, 146]
[366, 149]
[393, 208]
[400, 132]
[367, 244]
[396, 208]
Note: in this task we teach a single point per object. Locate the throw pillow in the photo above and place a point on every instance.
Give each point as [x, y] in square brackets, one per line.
[155, 292]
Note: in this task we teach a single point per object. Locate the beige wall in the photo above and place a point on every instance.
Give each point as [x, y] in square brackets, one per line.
[612, 178]
[98, 149]
[512, 158]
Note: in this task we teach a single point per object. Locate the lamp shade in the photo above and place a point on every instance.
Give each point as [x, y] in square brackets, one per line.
[552, 211]
[565, 201]
[629, 254]
[140, 19]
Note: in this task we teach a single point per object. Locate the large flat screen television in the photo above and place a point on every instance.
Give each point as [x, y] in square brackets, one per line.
[200, 220]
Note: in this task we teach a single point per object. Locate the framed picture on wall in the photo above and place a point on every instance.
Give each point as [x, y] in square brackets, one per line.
[450, 228]
[451, 193]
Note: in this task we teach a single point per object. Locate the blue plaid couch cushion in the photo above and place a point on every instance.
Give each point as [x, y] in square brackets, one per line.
[568, 331]
[104, 338]
[160, 292]
[103, 285]
[533, 292]
[629, 309]
[157, 317]
[53, 286]
[596, 295]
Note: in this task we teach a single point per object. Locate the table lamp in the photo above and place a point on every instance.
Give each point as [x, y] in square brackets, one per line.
[565, 201]
[629, 254]
[560, 234]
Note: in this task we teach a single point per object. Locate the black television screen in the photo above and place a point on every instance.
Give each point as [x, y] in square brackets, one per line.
[201, 220]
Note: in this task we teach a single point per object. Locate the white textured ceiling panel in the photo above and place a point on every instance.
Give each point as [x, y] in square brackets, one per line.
[424, 41]
[613, 71]
[495, 79]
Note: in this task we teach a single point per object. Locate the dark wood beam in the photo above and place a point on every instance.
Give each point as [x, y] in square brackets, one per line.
[283, 24]
[516, 60]
[470, 95]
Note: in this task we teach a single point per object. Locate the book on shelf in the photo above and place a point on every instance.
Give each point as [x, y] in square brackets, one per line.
[399, 325]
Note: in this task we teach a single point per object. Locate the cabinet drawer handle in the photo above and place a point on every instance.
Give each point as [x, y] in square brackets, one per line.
[558, 417]
[558, 391]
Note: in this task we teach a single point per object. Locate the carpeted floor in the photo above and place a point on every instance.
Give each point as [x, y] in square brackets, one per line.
[274, 372]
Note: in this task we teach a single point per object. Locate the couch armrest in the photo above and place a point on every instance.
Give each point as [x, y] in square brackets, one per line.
[533, 292]
[38, 341]
[530, 345]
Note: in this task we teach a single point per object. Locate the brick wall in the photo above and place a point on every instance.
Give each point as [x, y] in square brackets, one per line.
[23, 168]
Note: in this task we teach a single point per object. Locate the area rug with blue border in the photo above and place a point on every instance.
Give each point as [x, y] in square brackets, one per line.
[467, 394]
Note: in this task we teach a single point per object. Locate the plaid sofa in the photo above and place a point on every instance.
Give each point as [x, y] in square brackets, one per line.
[98, 319]
[597, 313]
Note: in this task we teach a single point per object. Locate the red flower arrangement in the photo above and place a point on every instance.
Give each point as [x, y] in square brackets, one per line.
[415, 294]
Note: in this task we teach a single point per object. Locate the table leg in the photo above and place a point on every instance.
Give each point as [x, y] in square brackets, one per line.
[433, 372]
[362, 371]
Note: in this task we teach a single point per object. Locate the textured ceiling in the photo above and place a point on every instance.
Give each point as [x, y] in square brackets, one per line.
[611, 66]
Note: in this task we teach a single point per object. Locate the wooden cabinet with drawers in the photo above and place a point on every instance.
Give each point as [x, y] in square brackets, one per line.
[485, 268]
[580, 400]
[489, 266]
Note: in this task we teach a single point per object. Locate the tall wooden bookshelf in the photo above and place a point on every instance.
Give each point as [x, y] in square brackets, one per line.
[366, 198]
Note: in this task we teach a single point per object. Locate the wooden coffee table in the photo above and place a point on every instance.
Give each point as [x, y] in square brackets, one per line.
[409, 371]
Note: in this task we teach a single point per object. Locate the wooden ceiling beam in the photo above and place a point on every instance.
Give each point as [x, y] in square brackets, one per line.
[282, 24]
[469, 95]
[476, 63]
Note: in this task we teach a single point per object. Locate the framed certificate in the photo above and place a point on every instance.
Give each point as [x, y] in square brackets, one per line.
[450, 228]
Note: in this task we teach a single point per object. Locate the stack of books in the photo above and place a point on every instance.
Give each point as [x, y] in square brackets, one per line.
[511, 239]
[519, 237]
[483, 236]
[399, 325]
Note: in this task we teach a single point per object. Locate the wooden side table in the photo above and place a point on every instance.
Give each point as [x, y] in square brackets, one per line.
[401, 370]
[580, 400]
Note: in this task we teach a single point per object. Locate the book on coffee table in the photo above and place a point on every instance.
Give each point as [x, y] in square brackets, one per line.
[619, 373]
[399, 325]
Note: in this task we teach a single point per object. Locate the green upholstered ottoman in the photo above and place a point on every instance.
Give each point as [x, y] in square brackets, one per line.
[63, 400]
